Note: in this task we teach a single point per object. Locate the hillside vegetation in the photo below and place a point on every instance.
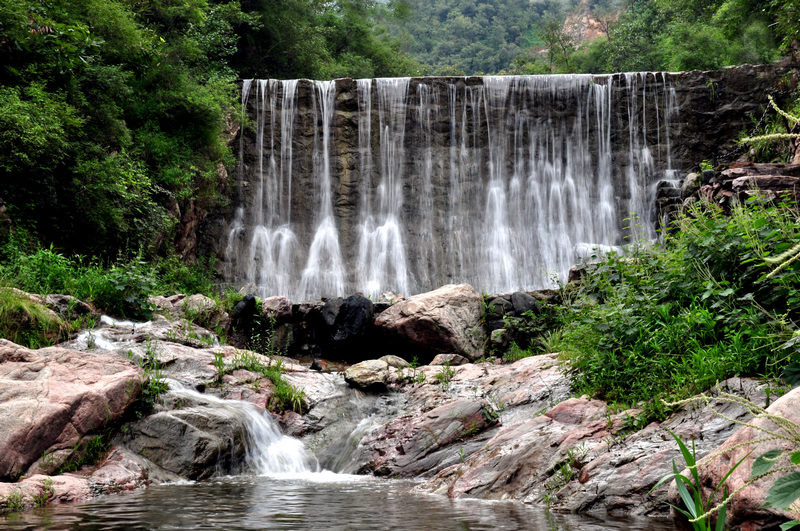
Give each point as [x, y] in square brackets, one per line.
[530, 37]
[116, 114]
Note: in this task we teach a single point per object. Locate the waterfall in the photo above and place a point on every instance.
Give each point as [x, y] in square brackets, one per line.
[406, 184]
[324, 272]
[267, 450]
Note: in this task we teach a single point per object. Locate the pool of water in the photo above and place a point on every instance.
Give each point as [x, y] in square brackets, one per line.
[302, 501]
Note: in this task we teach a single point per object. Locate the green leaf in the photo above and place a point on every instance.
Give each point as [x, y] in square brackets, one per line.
[796, 458]
[789, 525]
[688, 500]
[722, 516]
[784, 491]
[764, 462]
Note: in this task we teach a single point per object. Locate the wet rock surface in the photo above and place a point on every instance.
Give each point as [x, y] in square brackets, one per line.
[581, 457]
[194, 440]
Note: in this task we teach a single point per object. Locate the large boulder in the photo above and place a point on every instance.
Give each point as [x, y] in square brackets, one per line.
[354, 319]
[191, 438]
[51, 398]
[278, 308]
[407, 446]
[749, 443]
[444, 320]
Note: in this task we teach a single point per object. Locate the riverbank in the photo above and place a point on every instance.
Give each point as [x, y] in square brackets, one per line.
[490, 430]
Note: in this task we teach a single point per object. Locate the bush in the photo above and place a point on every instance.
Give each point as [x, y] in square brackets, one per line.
[669, 321]
[121, 288]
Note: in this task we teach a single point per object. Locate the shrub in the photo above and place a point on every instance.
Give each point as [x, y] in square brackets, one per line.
[668, 321]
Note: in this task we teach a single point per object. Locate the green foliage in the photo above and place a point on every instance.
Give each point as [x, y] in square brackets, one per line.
[13, 503]
[670, 321]
[46, 491]
[284, 396]
[700, 512]
[649, 35]
[774, 140]
[219, 364]
[114, 117]
[771, 429]
[154, 384]
[28, 323]
[457, 37]
[516, 353]
[85, 452]
[321, 40]
[445, 375]
[121, 288]
[535, 329]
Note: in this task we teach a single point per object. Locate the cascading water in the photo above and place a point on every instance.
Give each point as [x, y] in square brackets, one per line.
[267, 450]
[324, 271]
[410, 183]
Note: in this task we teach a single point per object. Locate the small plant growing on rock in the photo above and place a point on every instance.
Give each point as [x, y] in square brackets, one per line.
[154, 384]
[87, 452]
[445, 375]
[698, 511]
[516, 353]
[46, 491]
[783, 494]
[219, 364]
[13, 503]
[492, 411]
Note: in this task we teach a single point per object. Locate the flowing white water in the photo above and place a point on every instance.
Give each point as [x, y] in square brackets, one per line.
[501, 182]
[267, 450]
[324, 271]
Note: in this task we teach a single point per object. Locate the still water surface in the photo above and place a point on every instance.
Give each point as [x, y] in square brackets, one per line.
[306, 501]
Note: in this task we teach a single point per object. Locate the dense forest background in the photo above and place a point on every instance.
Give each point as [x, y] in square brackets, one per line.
[117, 114]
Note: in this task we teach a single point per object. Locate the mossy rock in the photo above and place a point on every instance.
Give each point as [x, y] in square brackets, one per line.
[27, 322]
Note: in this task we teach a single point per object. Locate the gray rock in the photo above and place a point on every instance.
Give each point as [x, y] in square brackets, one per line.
[501, 305]
[415, 439]
[354, 319]
[452, 359]
[691, 184]
[68, 307]
[194, 442]
[371, 375]
[395, 361]
[278, 308]
[523, 302]
[330, 310]
[499, 337]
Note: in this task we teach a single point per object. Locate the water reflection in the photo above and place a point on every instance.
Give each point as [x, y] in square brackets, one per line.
[312, 501]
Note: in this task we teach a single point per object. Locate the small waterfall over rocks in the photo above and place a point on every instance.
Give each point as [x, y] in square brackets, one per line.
[407, 184]
[266, 449]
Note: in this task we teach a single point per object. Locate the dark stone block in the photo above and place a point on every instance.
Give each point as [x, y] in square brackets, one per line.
[523, 302]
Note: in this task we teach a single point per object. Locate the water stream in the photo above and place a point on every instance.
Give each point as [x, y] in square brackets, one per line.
[322, 502]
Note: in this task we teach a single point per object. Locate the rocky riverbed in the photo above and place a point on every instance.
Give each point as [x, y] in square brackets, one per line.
[464, 426]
